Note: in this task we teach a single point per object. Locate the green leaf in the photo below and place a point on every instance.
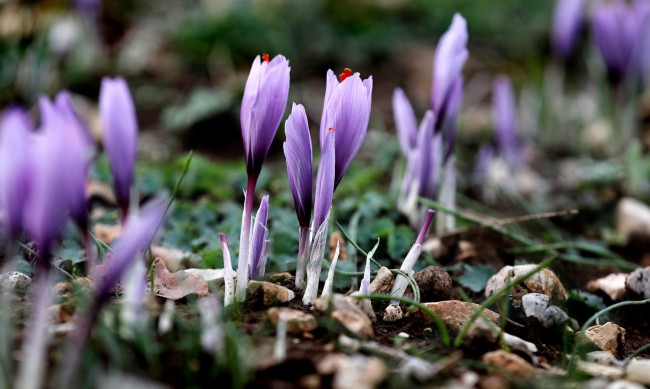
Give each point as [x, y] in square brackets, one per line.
[476, 277]
[400, 241]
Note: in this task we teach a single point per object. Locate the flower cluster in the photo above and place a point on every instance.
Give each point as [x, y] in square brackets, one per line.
[429, 148]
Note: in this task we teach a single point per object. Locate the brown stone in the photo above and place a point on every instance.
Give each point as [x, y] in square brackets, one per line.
[297, 321]
[354, 322]
[638, 283]
[269, 294]
[455, 315]
[343, 252]
[607, 337]
[511, 363]
[434, 283]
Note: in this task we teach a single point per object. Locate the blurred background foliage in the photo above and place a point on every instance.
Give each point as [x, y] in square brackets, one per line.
[187, 62]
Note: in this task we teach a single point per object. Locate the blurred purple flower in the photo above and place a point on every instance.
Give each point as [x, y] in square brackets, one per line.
[567, 20]
[346, 109]
[485, 156]
[325, 179]
[137, 235]
[263, 104]
[77, 155]
[15, 152]
[504, 117]
[48, 200]
[619, 30]
[298, 153]
[405, 122]
[120, 132]
[256, 262]
[447, 91]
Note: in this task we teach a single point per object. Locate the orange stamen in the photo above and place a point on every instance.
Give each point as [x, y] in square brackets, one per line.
[347, 72]
[265, 57]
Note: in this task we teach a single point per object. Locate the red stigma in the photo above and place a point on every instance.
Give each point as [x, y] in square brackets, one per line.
[265, 57]
[347, 72]
[331, 129]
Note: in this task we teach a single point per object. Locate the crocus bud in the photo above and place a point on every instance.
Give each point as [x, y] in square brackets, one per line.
[120, 134]
[448, 62]
[15, 150]
[618, 33]
[504, 117]
[298, 153]
[405, 121]
[346, 110]
[567, 19]
[263, 104]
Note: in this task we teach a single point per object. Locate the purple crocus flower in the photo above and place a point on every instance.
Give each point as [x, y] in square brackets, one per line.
[567, 20]
[265, 98]
[263, 104]
[322, 205]
[48, 201]
[405, 122]
[325, 179]
[15, 151]
[298, 153]
[257, 262]
[618, 32]
[77, 155]
[448, 61]
[347, 110]
[504, 116]
[120, 132]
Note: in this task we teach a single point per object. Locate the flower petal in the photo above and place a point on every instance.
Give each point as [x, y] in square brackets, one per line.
[298, 153]
[120, 134]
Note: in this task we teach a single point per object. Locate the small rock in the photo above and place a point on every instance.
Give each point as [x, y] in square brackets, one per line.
[269, 294]
[511, 363]
[545, 281]
[638, 370]
[632, 218]
[623, 384]
[493, 381]
[279, 277]
[638, 283]
[365, 305]
[15, 281]
[298, 322]
[392, 313]
[358, 371]
[613, 285]
[598, 370]
[346, 310]
[358, 324]
[536, 305]
[455, 315]
[607, 337]
[602, 357]
[383, 282]
[434, 283]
